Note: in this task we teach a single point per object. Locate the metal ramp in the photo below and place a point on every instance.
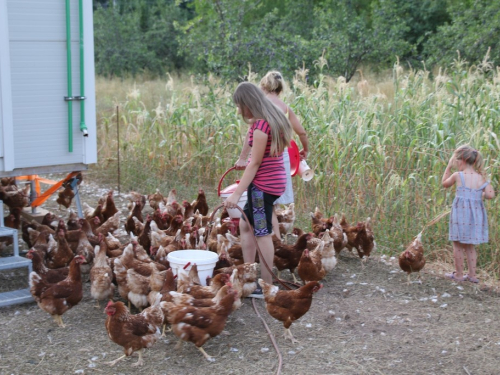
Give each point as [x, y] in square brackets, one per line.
[14, 261]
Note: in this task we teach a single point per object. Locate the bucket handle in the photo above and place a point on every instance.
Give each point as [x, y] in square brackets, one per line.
[222, 178]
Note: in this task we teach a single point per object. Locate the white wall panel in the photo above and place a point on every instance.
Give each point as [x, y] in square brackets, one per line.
[37, 33]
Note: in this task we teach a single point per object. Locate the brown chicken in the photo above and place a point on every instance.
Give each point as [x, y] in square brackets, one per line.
[287, 257]
[200, 291]
[247, 273]
[319, 224]
[328, 258]
[359, 237]
[52, 276]
[198, 324]
[17, 197]
[110, 225]
[133, 332]
[286, 218]
[288, 305]
[187, 299]
[62, 254]
[58, 298]
[72, 223]
[337, 235]
[188, 210]
[200, 204]
[101, 277]
[137, 213]
[65, 197]
[412, 259]
[133, 197]
[85, 249]
[109, 208]
[155, 199]
[175, 225]
[143, 238]
[310, 267]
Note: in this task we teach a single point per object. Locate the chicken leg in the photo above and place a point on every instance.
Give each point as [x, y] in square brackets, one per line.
[165, 330]
[209, 358]
[140, 362]
[288, 335]
[179, 345]
[112, 363]
[59, 321]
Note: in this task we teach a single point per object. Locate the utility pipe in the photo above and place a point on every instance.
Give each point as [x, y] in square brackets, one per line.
[69, 98]
[83, 127]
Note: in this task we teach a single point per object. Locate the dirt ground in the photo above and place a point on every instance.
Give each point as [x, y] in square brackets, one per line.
[364, 321]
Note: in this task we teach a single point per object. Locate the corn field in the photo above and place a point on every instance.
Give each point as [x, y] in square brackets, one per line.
[378, 147]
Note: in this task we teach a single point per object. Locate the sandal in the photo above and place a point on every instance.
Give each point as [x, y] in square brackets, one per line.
[474, 280]
[452, 276]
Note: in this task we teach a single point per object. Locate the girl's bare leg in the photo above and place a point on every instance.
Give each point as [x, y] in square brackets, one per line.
[458, 253]
[267, 248]
[470, 251]
[247, 242]
[276, 225]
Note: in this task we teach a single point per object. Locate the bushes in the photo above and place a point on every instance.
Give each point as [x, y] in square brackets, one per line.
[224, 36]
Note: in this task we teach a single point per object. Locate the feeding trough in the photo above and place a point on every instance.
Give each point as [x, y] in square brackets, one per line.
[205, 261]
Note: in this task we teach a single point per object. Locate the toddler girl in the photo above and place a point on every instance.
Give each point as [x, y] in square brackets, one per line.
[468, 220]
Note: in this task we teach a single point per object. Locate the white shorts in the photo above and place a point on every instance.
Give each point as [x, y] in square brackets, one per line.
[287, 196]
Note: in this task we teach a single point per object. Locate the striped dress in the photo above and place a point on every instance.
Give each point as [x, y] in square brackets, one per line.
[271, 175]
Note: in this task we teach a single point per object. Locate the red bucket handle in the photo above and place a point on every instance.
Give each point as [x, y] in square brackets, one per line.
[222, 178]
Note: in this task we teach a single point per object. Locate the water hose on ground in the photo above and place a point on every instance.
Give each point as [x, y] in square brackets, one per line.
[262, 260]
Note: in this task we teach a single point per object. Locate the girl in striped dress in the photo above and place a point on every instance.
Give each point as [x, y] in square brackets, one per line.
[264, 178]
[468, 220]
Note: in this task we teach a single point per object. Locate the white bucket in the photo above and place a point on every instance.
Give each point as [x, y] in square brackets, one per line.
[234, 213]
[305, 171]
[204, 259]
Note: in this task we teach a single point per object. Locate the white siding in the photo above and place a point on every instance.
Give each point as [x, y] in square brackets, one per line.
[38, 73]
[6, 123]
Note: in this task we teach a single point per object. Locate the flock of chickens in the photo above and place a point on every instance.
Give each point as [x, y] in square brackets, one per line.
[67, 253]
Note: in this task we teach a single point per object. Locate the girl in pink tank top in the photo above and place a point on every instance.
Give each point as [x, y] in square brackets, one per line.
[264, 178]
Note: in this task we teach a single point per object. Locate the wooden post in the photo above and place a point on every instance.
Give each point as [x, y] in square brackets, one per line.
[118, 144]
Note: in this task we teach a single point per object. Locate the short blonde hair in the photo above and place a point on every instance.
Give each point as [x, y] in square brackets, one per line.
[250, 96]
[272, 82]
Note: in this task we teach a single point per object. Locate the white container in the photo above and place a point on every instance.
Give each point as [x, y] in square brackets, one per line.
[234, 213]
[204, 259]
[305, 171]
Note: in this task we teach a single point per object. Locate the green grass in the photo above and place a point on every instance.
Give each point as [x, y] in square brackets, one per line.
[381, 155]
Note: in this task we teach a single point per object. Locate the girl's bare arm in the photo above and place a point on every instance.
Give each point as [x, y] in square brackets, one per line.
[489, 192]
[449, 179]
[301, 132]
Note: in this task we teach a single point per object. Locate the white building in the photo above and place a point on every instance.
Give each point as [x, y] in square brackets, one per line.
[41, 131]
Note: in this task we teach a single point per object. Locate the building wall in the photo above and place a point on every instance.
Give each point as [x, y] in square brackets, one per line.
[38, 79]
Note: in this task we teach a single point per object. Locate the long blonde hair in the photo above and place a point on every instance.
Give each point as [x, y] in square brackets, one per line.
[250, 96]
[472, 157]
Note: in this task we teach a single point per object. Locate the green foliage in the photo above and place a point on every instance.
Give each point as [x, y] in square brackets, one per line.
[137, 36]
[474, 27]
[224, 36]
